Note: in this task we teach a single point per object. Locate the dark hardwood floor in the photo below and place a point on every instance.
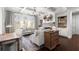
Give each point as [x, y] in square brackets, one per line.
[66, 44]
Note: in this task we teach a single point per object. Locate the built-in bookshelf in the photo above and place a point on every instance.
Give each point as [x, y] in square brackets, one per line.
[62, 22]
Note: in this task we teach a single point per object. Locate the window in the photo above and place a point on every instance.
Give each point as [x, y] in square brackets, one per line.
[24, 21]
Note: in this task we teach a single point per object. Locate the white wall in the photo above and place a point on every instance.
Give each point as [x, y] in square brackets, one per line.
[62, 31]
[75, 25]
[67, 32]
[2, 20]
